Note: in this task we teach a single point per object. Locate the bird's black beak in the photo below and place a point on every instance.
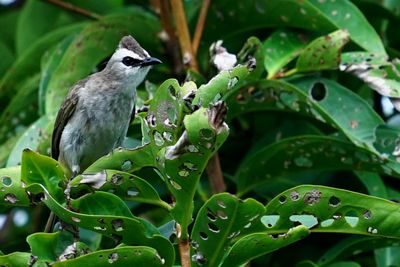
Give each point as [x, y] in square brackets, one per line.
[150, 61]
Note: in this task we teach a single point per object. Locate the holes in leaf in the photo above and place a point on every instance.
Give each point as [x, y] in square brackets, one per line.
[192, 149]
[312, 197]
[203, 235]
[294, 196]
[7, 181]
[151, 120]
[126, 165]
[318, 91]
[282, 199]
[113, 257]
[211, 216]
[327, 222]
[372, 230]
[269, 220]
[256, 93]
[303, 162]
[206, 134]
[221, 204]
[222, 215]
[117, 179]
[307, 220]
[175, 185]
[168, 136]
[241, 99]
[9, 197]
[199, 258]
[185, 169]
[334, 201]
[172, 116]
[100, 228]
[132, 192]
[213, 227]
[232, 82]
[367, 214]
[351, 218]
[117, 225]
[158, 139]
[172, 91]
[77, 220]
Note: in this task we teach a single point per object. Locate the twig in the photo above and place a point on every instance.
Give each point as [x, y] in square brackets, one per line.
[200, 26]
[73, 8]
[50, 222]
[215, 176]
[184, 248]
[183, 34]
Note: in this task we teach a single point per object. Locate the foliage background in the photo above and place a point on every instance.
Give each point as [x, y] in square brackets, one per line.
[316, 110]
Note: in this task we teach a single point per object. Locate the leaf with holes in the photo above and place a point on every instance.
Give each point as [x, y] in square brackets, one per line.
[255, 245]
[44, 170]
[326, 209]
[307, 154]
[49, 246]
[220, 220]
[315, 15]
[376, 71]
[32, 138]
[95, 43]
[280, 48]
[126, 186]
[15, 259]
[183, 164]
[12, 190]
[120, 257]
[323, 53]
[253, 48]
[314, 97]
[126, 229]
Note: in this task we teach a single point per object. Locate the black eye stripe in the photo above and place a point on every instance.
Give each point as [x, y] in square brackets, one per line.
[130, 61]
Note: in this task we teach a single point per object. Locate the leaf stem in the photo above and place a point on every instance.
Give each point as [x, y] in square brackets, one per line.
[200, 26]
[181, 27]
[215, 176]
[184, 248]
[75, 9]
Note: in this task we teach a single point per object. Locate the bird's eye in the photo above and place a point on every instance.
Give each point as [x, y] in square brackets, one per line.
[130, 61]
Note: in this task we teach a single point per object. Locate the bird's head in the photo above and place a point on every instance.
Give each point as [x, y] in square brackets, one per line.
[130, 61]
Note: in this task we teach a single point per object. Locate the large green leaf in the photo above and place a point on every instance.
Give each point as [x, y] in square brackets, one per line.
[292, 156]
[49, 246]
[121, 257]
[94, 44]
[128, 230]
[12, 189]
[222, 218]
[225, 19]
[15, 259]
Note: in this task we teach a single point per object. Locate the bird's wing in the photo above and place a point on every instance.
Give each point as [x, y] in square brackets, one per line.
[64, 114]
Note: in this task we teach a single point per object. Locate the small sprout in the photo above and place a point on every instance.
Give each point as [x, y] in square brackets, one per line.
[7, 181]
[203, 235]
[334, 201]
[213, 228]
[126, 165]
[372, 230]
[117, 224]
[9, 197]
[367, 214]
[282, 199]
[75, 219]
[312, 197]
[294, 196]
[113, 257]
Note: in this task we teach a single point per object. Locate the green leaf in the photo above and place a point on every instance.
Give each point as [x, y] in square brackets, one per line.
[323, 53]
[49, 246]
[281, 47]
[253, 48]
[307, 154]
[128, 230]
[15, 259]
[258, 244]
[44, 170]
[222, 218]
[126, 186]
[7, 58]
[95, 43]
[12, 190]
[332, 210]
[122, 256]
[315, 15]
[31, 138]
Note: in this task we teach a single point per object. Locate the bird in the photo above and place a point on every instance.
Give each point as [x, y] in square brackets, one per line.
[95, 115]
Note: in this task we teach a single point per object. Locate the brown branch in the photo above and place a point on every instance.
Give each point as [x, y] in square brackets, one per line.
[183, 34]
[72, 8]
[184, 248]
[215, 177]
[200, 26]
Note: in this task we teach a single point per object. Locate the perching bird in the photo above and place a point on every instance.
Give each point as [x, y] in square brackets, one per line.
[95, 116]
